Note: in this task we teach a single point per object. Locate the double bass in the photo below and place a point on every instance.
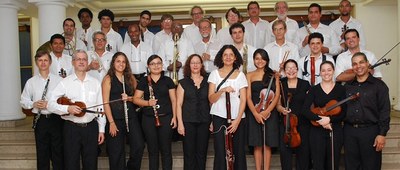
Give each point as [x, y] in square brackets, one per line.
[291, 137]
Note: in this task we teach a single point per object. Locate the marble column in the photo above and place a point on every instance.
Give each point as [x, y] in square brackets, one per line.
[51, 14]
[10, 74]
[397, 104]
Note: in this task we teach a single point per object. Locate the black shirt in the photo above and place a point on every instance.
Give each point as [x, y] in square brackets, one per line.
[319, 98]
[373, 105]
[195, 107]
[161, 93]
[298, 97]
[117, 108]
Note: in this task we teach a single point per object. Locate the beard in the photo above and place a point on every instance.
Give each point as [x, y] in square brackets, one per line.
[205, 35]
[281, 16]
[345, 14]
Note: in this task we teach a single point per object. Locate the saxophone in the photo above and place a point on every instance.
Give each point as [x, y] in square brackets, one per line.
[174, 72]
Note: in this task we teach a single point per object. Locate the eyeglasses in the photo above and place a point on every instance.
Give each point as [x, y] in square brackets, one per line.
[197, 13]
[81, 59]
[99, 40]
[155, 64]
[167, 20]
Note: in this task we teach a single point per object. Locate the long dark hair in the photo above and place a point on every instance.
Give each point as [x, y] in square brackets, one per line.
[268, 72]
[127, 71]
[186, 69]
[218, 58]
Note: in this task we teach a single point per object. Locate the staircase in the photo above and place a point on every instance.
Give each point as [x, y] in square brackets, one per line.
[17, 149]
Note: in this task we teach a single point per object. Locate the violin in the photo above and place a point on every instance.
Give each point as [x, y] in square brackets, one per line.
[291, 137]
[331, 108]
[66, 101]
[266, 97]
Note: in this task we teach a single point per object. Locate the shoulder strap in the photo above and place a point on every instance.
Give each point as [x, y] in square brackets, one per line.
[224, 80]
[305, 72]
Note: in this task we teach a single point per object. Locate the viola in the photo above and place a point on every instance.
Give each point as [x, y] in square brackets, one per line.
[291, 137]
[331, 108]
[82, 105]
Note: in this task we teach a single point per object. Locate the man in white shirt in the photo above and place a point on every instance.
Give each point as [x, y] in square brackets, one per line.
[246, 51]
[281, 10]
[86, 31]
[165, 34]
[331, 46]
[232, 16]
[344, 69]
[48, 127]
[99, 58]
[191, 32]
[137, 52]
[114, 39]
[61, 63]
[280, 50]
[309, 65]
[345, 22]
[145, 35]
[72, 43]
[208, 47]
[258, 31]
[81, 134]
[179, 46]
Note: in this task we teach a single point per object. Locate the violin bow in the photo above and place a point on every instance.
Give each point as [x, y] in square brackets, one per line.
[112, 101]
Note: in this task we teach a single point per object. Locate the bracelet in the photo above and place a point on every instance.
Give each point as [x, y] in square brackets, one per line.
[111, 122]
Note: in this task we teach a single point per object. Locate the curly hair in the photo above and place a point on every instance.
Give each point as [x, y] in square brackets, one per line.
[218, 58]
[128, 75]
[186, 68]
[106, 13]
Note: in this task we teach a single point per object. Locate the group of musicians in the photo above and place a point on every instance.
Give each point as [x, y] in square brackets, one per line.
[249, 86]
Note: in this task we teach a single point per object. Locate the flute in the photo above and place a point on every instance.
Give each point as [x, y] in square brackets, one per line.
[125, 106]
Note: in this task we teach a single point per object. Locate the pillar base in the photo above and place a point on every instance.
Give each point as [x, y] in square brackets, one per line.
[11, 116]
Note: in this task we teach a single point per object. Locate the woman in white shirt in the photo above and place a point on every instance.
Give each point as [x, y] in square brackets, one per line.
[228, 59]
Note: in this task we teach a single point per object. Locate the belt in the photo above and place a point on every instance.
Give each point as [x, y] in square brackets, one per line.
[47, 116]
[360, 125]
[80, 124]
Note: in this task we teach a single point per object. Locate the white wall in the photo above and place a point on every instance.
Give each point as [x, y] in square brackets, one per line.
[380, 25]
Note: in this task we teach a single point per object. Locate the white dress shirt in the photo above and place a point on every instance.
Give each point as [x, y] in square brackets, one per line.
[166, 52]
[159, 39]
[291, 28]
[211, 47]
[192, 33]
[353, 23]
[250, 61]
[148, 38]
[86, 36]
[114, 41]
[137, 56]
[87, 91]
[331, 40]
[257, 35]
[219, 107]
[277, 52]
[104, 62]
[34, 89]
[307, 76]
[343, 62]
[64, 62]
[224, 37]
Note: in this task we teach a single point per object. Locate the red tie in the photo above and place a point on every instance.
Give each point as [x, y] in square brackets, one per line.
[312, 71]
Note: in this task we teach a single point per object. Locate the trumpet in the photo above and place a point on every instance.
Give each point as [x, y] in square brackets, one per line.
[174, 73]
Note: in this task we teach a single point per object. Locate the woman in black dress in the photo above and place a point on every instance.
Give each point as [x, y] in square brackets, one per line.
[259, 80]
[116, 127]
[193, 113]
[158, 138]
[320, 140]
[298, 89]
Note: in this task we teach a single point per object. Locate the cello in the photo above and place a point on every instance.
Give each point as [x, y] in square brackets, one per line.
[291, 137]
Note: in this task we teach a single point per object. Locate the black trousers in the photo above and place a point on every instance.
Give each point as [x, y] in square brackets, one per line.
[49, 142]
[359, 150]
[81, 141]
[116, 145]
[239, 145]
[195, 145]
[302, 152]
[158, 141]
[320, 143]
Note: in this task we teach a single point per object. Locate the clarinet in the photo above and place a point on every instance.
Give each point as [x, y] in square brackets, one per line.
[155, 107]
[125, 106]
[43, 98]
[230, 158]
